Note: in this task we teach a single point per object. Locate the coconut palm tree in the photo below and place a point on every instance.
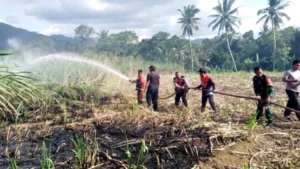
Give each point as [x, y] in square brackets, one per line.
[189, 23]
[273, 14]
[264, 31]
[225, 20]
[103, 34]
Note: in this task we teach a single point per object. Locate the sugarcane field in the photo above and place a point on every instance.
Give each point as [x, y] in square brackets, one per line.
[101, 84]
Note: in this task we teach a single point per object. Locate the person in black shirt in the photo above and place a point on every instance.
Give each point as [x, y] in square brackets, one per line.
[263, 90]
[152, 86]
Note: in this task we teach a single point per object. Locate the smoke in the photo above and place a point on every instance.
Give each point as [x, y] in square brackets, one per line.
[14, 43]
[22, 53]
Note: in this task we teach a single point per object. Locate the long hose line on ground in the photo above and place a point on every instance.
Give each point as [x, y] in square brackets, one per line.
[163, 98]
[239, 96]
[167, 97]
[252, 98]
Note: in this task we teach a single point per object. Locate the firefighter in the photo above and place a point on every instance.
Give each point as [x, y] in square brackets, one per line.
[140, 85]
[263, 90]
[208, 86]
[152, 88]
[181, 89]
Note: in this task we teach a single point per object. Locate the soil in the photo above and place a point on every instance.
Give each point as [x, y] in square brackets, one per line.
[176, 137]
[173, 148]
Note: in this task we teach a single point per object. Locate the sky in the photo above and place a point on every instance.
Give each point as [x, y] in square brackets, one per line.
[145, 17]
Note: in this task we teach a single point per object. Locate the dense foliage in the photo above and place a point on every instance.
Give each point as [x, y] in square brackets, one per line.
[247, 50]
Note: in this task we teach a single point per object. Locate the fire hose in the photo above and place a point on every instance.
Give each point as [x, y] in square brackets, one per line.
[242, 97]
[237, 96]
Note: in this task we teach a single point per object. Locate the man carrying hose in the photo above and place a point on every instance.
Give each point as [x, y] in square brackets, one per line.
[292, 80]
[181, 89]
[152, 87]
[140, 85]
[208, 86]
[263, 90]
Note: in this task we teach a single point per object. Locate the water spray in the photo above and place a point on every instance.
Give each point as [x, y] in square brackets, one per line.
[75, 58]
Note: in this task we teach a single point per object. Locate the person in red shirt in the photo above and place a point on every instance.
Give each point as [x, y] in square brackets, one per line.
[140, 85]
[208, 86]
[181, 89]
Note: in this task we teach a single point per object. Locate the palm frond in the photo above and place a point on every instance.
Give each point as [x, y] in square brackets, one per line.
[218, 9]
[267, 21]
[215, 16]
[262, 11]
[284, 15]
[213, 22]
[235, 10]
[230, 3]
[218, 23]
[224, 6]
[262, 18]
[224, 19]
[189, 20]
[281, 7]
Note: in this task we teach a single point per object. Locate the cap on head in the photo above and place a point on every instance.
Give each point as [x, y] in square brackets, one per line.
[152, 67]
[202, 70]
[140, 71]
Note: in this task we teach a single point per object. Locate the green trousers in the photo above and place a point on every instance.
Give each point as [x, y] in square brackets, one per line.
[263, 107]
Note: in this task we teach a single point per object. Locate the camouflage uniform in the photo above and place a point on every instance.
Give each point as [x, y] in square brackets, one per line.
[263, 88]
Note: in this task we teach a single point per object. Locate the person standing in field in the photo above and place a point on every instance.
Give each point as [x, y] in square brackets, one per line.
[292, 80]
[152, 88]
[208, 86]
[263, 90]
[140, 86]
[181, 89]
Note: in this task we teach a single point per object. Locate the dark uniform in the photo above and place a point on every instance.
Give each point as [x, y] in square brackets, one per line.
[263, 88]
[152, 91]
[181, 89]
[208, 86]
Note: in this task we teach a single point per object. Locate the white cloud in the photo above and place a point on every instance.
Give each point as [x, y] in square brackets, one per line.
[143, 16]
[97, 5]
[293, 12]
[63, 29]
[14, 20]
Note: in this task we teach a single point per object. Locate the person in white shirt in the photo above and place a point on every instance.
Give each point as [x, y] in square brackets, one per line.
[292, 80]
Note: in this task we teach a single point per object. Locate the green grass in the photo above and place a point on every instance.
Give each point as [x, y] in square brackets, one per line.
[138, 161]
[13, 164]
[17, 90]
[246, 166]
[252, 122]
[81, 151]
[46, 162]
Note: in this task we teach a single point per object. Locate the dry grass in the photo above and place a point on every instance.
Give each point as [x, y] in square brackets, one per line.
[230, 141]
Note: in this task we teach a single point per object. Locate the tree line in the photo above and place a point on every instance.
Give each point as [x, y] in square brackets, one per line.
[274, 49]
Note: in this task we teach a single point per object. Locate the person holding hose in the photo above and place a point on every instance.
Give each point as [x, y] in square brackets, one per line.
[263, 90]
[152, 87]
[292, 80]
[140, 85]
[181, 89]
[208, 87]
